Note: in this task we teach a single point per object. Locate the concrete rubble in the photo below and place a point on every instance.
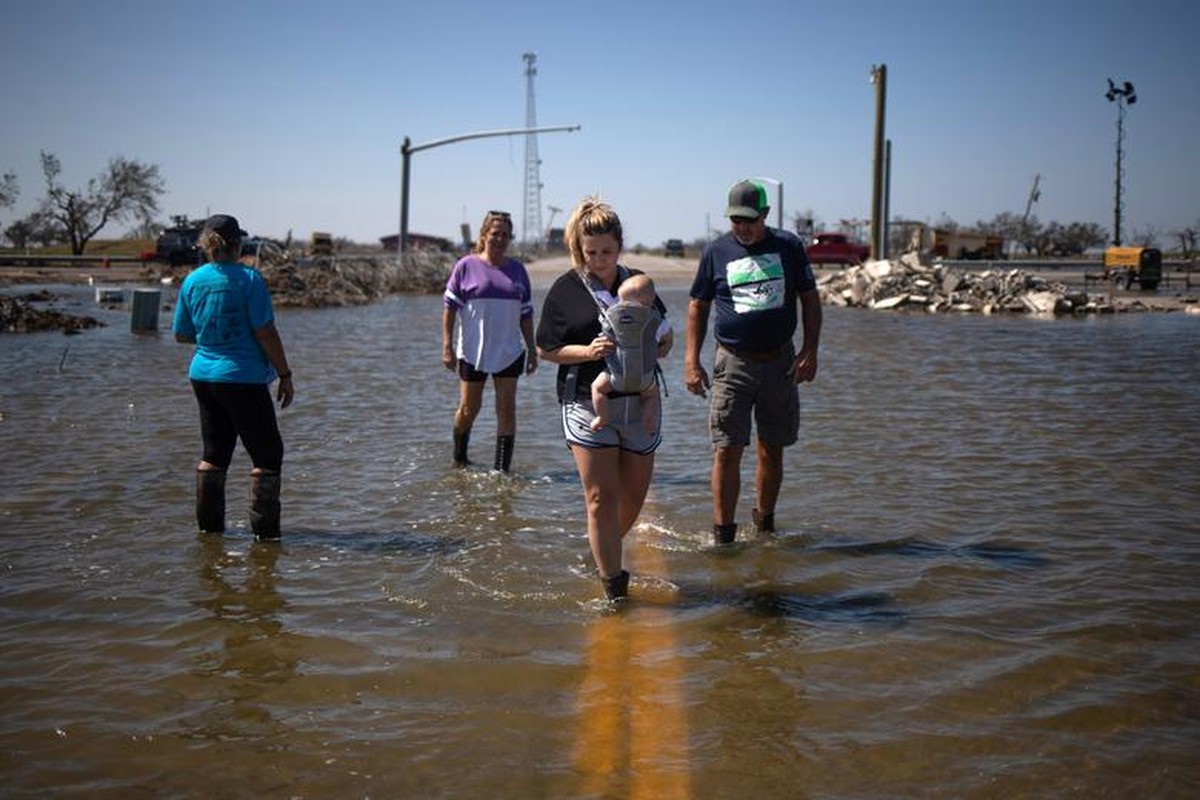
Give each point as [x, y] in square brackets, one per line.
[907, 283]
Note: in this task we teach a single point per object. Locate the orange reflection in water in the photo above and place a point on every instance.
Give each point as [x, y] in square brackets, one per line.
[633, 731]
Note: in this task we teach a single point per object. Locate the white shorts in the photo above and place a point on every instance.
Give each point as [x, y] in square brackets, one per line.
[624, 429]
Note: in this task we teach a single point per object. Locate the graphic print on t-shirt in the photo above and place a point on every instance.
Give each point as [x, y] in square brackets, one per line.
[756, 282]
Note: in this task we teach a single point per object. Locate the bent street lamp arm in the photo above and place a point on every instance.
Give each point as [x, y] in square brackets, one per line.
[407, 148]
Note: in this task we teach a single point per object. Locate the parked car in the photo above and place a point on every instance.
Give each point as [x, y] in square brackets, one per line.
[674, 247]
[836, 248]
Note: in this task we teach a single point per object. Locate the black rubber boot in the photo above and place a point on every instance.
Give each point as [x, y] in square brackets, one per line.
[210, 500]
[763, 523]
[504, 453]
[461, 440]
[264, 505]
[725, 534]
[616, 587]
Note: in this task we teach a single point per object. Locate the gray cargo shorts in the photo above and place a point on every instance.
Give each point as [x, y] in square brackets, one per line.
[743, 388]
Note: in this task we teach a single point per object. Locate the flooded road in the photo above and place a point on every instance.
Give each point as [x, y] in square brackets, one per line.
[983, 586]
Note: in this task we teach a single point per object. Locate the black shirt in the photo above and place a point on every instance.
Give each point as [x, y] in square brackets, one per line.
[570, 315]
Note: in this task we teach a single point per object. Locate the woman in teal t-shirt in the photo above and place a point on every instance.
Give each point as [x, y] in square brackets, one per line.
[224, 309]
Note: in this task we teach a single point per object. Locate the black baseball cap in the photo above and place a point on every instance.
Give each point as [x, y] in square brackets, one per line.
[225, 225]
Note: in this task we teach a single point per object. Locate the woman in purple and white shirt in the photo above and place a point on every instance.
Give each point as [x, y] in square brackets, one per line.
[489, 295]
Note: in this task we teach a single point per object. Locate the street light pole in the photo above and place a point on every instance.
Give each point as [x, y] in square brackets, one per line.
[1121, 95]
[407, 148]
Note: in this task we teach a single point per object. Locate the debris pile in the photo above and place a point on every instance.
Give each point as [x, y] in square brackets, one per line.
[353, 280]
[908, 283]
[20, 315]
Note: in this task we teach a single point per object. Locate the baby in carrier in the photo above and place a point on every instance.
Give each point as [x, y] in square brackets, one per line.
[633, 323]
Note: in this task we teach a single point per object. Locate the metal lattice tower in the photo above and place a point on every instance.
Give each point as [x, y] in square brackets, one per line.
[531, 223]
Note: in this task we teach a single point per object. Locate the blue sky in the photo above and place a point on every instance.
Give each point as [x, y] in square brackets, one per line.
[290, 114]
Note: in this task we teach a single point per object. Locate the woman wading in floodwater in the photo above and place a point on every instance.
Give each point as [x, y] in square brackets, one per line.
[488, 294]
[224, 309]
[615, 462]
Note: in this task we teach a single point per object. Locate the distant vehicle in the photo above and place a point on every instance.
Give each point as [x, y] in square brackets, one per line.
[177, 245]
[836, 248]
[320, 244]
[1141, 264]
[674, 247]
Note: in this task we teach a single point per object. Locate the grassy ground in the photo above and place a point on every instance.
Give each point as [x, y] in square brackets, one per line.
[96, 247]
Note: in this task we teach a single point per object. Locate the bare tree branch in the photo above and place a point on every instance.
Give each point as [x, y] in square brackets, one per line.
[126, 190]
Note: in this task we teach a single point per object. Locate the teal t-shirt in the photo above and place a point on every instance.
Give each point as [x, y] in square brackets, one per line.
[221, 306]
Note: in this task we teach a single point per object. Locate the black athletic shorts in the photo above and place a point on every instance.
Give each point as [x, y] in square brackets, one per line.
[468, 373]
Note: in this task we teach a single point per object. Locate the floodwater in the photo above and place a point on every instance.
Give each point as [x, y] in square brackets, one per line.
[984, 585]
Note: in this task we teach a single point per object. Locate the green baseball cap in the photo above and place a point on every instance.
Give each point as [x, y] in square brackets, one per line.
[747, 199]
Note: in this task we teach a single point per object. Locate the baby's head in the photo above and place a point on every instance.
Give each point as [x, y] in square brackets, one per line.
[637, 289]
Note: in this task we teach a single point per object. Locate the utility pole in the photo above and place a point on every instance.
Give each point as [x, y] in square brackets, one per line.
[1034, 195]
[879, 78]
[550, 225]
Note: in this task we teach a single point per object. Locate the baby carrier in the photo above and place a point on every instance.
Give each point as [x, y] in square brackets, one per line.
[632, 366]
[635, 331]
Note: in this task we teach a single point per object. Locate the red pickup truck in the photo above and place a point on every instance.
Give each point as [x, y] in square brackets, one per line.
[836, 248]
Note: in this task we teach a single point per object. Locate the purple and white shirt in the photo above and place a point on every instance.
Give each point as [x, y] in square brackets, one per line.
[490, 303]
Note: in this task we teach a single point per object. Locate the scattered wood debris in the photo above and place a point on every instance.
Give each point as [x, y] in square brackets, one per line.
[353, 280]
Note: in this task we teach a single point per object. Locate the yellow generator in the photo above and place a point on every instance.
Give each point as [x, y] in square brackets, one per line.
[1141, 264]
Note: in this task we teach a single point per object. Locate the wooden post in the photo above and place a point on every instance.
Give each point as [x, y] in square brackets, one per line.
[145, 310]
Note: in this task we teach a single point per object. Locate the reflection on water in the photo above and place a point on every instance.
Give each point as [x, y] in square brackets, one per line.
[982, 585]
[633, 732]
[238, 590]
